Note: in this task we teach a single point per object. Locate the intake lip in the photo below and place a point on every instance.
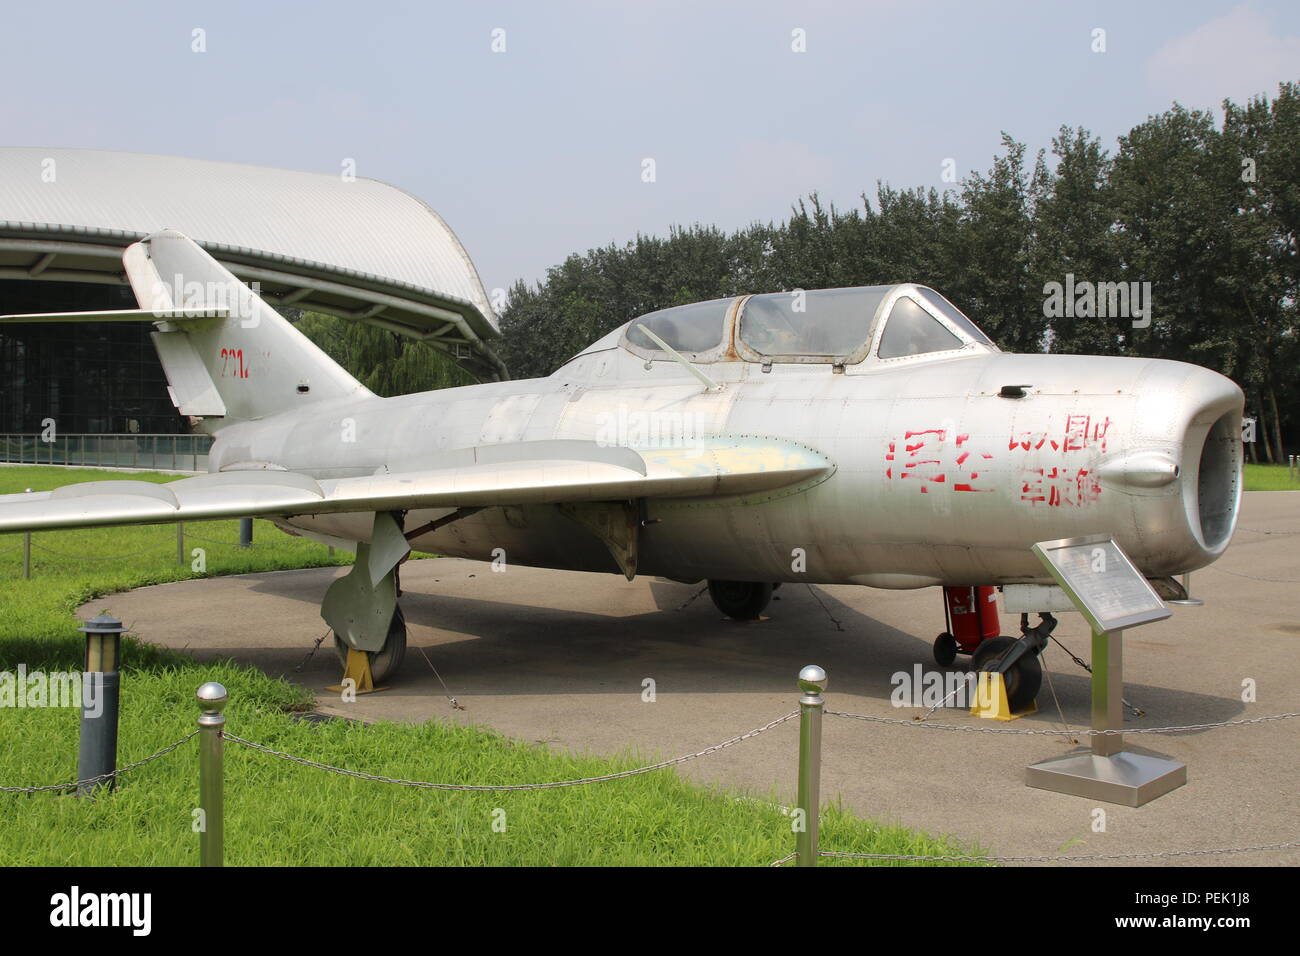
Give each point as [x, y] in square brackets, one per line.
[1213, 490]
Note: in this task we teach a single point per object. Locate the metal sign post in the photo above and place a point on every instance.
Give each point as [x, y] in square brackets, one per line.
[1112, 595]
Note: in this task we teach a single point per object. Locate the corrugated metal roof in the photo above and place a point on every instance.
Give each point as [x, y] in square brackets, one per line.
[313, 222]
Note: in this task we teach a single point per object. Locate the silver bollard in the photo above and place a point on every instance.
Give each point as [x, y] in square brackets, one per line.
[812, 681]
[245, 532]
[180, 543]
[212, 699]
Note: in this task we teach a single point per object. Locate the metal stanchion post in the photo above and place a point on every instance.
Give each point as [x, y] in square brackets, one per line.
[245, 532]
[1107, 691]
[97, 753]
[212, 699]
[812, 681]
[27, 555]
[180, 543]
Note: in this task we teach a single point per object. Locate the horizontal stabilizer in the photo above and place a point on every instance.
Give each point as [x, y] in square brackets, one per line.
[710, 468]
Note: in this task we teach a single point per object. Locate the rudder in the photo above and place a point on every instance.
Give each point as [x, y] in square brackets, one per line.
[243, 362]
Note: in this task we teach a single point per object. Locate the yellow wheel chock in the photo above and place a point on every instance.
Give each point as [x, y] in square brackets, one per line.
[358, 671]
[991, 699]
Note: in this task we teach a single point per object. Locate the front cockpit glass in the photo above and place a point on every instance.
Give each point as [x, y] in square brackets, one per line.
[910, 330]
[950, 312]
[690, 329]
[828, 322]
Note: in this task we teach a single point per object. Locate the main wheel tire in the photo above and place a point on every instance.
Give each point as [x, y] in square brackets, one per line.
[387, 661]
[740, 600]
[945, 649]
[1022, 681]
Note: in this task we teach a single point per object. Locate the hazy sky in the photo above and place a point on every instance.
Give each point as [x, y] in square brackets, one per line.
[537, 151]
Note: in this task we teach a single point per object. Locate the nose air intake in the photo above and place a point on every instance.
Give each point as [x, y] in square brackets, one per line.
[1218, 462]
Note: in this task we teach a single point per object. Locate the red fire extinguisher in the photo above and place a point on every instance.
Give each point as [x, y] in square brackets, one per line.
[971, 614]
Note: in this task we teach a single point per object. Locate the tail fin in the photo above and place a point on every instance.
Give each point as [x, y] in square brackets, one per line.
[242, 362]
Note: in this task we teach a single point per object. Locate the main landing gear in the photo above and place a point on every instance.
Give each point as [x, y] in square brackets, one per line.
[361, 608]
[971, 614]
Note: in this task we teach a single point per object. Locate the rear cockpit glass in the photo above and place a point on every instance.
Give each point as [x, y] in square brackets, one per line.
[950, 312]
[829, 322]
[690, 329]
[910, 330]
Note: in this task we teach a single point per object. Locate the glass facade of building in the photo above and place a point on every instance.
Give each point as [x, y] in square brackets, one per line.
[89, 377]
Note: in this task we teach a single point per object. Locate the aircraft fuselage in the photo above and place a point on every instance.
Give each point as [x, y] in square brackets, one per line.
[940, 478]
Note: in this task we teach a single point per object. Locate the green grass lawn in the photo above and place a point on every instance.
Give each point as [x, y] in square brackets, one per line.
[1269, 478]
[279, 813]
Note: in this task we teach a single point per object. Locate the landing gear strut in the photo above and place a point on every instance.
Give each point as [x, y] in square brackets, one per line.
[741, 600]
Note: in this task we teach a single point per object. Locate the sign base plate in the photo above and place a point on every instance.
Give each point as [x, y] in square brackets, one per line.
[1125, 778]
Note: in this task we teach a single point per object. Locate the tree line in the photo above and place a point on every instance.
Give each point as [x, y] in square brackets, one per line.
[1202, 213]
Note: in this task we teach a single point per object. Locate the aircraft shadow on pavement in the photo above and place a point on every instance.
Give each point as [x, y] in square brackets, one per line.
[489, 646]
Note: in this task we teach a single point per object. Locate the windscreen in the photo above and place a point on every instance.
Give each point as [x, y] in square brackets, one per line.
[828, 322]
[910, 330]
[687, 328]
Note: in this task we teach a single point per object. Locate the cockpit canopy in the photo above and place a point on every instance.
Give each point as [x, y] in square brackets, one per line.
[827, 326]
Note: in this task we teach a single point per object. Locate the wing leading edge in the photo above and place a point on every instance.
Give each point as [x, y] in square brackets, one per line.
[705, 469]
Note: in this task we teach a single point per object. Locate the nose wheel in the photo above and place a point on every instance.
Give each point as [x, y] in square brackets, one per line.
[945, 649]
[1022, 679]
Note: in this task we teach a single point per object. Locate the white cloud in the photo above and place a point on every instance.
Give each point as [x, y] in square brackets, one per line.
[1236, 56]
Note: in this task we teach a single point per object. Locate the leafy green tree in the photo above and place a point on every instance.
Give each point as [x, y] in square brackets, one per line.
[1208, 216]
[385, 362]
[1075, 236]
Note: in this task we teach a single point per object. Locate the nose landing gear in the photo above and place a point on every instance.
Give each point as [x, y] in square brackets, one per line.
[971, 614]
[1016, 662]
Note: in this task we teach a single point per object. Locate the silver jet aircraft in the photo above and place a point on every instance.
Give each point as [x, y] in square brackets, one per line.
[868, 436]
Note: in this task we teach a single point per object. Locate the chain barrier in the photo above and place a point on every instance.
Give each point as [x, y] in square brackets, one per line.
[99, 778]
[1262, 531]
[426, 785]
[229, 544]
[1184, 728]
[165, 547]
[1253, 577]
[106, 557]
[891, 857]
